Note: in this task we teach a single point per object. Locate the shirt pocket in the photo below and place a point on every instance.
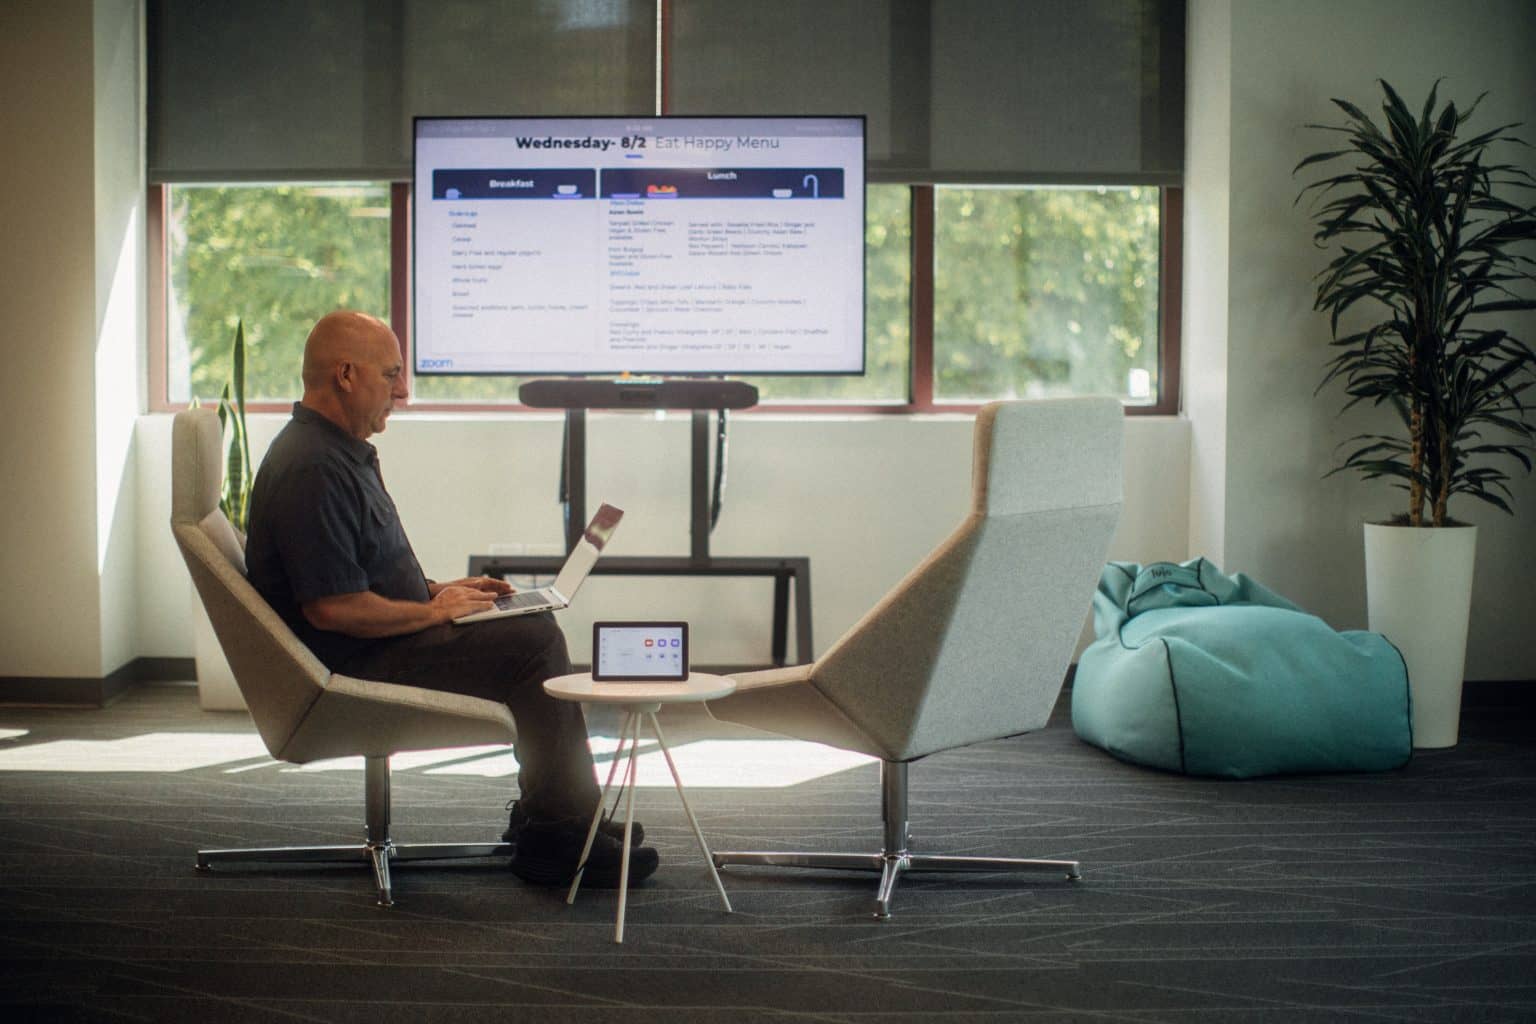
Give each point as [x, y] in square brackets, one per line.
[382, 536]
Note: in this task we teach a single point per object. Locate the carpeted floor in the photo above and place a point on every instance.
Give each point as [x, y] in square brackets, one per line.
[1404, 896]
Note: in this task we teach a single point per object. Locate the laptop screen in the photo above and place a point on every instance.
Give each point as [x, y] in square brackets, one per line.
[584, 556]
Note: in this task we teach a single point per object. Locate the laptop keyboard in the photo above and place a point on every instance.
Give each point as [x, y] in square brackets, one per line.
[521, 599]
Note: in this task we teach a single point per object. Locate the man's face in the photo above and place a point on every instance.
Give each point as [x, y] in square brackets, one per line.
[378, 382]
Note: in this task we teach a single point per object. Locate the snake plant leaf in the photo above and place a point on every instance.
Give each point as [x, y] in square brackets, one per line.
[235, 491]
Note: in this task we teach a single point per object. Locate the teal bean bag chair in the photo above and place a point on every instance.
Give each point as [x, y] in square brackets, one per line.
[1198, 672]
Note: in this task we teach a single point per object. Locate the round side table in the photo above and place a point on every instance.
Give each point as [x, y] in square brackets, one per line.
[640, 701]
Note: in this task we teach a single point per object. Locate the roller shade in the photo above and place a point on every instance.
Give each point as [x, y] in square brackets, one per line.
[285, 90]
[957, 91]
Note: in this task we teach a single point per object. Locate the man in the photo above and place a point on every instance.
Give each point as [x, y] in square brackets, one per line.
[327, 550]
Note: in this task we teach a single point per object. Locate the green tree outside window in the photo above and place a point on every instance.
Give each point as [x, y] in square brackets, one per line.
[277, 257]
[1045, 291]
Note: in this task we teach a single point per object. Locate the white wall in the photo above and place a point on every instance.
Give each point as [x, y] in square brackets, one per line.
[1282, 522]
[72, 287]
[864, 497]
[120, 333]
[1207, 214]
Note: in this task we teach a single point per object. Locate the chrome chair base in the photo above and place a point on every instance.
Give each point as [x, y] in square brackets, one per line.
[378, 856]
[895, 860]
[378, 851]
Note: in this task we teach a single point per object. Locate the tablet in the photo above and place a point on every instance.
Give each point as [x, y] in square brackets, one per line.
[640, 652]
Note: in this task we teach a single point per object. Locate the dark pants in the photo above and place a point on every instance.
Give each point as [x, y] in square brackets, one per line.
[505, 660]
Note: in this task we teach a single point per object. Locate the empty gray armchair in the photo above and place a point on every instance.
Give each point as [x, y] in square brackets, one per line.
[303, 711]
[974, 643]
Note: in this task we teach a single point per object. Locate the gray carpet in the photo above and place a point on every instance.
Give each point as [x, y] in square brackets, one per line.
[1404, 896]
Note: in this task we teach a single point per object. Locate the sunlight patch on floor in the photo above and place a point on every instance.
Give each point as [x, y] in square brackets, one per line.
[745, 764]
[149, 752]
[412, 760]
[737, 764]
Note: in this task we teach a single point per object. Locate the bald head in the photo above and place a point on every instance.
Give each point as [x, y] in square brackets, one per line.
[342, 336]
[353, 373]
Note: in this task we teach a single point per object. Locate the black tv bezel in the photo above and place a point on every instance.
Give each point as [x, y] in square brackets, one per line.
[634, 371]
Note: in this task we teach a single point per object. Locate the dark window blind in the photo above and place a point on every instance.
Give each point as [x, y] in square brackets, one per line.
[956, 91]
[293, 90]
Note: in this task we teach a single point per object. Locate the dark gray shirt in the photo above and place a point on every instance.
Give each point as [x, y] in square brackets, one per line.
[321, 524]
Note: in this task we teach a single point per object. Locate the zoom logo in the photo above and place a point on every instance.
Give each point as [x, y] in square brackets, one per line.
[436, 364]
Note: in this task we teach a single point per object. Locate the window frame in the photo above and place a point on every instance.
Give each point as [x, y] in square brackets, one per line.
[920, 391]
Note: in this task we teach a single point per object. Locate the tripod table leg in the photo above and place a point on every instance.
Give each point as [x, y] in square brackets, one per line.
[698, 833]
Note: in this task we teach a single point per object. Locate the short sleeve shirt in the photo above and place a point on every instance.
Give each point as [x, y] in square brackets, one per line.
[322, 524]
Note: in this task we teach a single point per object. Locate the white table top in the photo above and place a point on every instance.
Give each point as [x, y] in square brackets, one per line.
[699, 686]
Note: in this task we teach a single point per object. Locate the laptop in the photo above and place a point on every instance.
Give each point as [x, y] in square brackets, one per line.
[559, 593]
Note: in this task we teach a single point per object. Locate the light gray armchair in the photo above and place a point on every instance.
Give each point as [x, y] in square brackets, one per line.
[303, 711]
[974, 643]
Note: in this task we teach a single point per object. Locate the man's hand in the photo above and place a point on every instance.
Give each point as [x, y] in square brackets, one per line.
[485, 584]
[456, 599]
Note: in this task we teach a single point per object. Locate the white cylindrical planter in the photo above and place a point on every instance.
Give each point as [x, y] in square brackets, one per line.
[1418, 587]
[216, 686]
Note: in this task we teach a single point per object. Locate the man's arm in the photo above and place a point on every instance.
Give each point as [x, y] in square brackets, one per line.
[369, 616]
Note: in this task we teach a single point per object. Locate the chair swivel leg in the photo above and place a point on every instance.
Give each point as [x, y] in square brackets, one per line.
[378, 849]
[893, 816]
[895, 859]
[376, 801]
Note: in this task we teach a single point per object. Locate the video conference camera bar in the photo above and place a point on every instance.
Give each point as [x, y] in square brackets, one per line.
[637, 394]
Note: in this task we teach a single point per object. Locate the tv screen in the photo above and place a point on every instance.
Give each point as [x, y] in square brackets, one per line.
[647, 245]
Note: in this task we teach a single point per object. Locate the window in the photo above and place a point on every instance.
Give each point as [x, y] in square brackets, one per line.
[1030, 291]
[276, 257]
[1045, 291]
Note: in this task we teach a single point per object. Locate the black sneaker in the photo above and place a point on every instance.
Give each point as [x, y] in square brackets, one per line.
[609, 827]
[548, 853]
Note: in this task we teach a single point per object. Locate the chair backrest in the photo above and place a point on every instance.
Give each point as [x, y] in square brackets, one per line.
[278, 676]
[974, 643]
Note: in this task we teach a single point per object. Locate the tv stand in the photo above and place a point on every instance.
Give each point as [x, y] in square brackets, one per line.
[576, 482]
[698, 562]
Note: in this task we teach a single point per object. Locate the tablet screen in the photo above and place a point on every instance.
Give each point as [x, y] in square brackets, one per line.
[640, 651]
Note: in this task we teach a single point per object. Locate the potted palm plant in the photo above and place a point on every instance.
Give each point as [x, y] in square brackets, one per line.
[1430, 264]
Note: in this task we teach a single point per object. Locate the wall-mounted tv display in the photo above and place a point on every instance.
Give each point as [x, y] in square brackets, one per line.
[647, 245]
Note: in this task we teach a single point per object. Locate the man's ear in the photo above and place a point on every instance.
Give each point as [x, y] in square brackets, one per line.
[345, 375]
